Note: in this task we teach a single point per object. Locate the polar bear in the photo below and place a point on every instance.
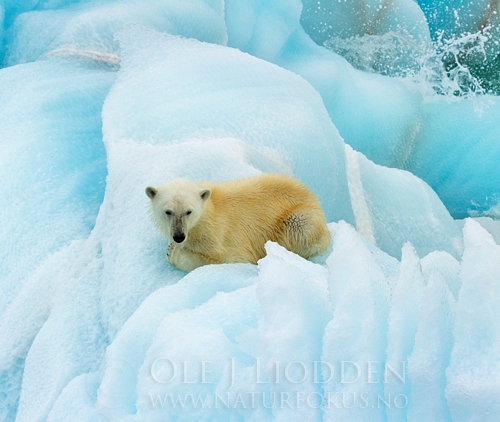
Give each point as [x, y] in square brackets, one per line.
[213, 223]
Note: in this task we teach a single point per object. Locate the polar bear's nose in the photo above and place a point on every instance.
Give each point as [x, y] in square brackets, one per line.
[179, 237]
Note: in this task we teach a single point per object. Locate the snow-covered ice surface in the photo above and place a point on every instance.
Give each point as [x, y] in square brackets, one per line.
[397, 321]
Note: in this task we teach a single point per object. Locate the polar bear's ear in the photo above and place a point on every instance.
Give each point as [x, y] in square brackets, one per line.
[205, 194]
[151, 192]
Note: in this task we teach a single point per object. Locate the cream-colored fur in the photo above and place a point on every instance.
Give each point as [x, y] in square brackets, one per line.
[231, 222]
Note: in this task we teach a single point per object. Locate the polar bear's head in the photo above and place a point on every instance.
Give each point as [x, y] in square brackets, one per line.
[177, 206]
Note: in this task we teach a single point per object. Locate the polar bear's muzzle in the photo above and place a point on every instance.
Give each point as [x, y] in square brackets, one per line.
[179, 233]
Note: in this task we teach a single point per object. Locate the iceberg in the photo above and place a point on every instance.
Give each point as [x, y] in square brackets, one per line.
[395, 321]
[470, 375]
[393, 121]
[90, 27]
[54, 171]
[324, 20]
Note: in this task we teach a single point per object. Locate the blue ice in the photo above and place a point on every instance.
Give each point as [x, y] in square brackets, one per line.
[390, 120]
[396, 321]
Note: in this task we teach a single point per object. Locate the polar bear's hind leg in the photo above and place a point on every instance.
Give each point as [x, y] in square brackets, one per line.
[305, 232]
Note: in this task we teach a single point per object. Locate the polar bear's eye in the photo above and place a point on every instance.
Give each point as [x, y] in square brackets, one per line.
[168, 212]
[189, 212]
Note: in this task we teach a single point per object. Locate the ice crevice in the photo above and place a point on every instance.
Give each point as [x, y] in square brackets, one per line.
[357, 195]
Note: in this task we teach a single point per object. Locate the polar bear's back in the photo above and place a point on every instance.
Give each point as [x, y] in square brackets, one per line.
[275, 189]
[244, 214]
